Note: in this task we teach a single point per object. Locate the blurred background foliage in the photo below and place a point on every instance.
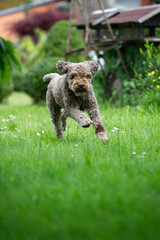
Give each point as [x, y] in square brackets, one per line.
[8, 61]
[42, 42]
[39, 58]
[43, 20]
[56, 46]
[143, 65]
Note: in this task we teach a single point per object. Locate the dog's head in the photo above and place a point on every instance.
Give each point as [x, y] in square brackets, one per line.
[79, 75]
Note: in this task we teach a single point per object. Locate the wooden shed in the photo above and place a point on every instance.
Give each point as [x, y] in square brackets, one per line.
[136, 24]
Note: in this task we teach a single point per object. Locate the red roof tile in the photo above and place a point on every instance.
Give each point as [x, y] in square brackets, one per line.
[133, 15]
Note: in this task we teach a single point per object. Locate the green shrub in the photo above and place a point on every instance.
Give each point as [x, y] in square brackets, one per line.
[33, 81]
[151, 97]
[5, 90]
[30, 51]
[150, 78]
[55, 45]
[8, 61]
[17, 79]
[147, 81]
[143, 66]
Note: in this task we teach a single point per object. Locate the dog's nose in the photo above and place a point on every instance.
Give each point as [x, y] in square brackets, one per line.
[81, 85]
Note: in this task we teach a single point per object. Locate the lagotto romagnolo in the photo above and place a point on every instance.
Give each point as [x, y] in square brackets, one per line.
[68, 95]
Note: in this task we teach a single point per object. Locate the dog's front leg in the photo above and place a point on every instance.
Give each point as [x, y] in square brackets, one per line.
[93, 111]
[79, 116]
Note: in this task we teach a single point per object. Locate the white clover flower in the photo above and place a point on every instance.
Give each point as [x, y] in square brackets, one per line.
[15, 136]
[144, 153]
[1, 128]
[76, 145]
[42, 131]
[3, 120]
[112, 130]
[115, 128]
[13, 117]
[72, 155]
[5, 127]
[10, 116]
[38, 134]
[133, 153]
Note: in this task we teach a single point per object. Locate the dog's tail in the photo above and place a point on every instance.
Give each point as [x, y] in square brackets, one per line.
[49, 77]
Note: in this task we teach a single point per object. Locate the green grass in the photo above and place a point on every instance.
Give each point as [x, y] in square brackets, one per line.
[79, 188]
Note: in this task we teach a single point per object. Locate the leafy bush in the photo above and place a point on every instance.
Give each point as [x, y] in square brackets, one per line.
[143, 63]
[57, 40]
[151, 63]
[8, 61]
[33, 82]
[5, 90]
[42, 20]
[150, 97]
[145, 88]
[30, 53]
[148, 81]
[17, 79]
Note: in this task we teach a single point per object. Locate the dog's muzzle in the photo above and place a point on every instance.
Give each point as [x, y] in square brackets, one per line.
[80, 91]
[81, 87]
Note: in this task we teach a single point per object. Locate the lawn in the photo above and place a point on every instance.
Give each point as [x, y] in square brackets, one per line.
[79, 188]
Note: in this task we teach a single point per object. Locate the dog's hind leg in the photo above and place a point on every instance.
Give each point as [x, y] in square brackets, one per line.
[55, 112]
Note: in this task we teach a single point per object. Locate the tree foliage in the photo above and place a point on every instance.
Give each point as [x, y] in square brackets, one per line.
[57, 41]
[8, 60]
[43, 20]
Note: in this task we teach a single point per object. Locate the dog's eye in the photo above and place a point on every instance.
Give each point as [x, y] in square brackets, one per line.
[72, 76]
[88, 76]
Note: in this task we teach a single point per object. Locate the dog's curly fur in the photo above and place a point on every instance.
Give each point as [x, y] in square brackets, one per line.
[70, 94]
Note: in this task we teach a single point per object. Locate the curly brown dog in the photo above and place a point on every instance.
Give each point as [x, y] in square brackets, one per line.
[70, 94]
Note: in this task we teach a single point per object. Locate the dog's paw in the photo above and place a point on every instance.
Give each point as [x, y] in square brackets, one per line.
[86, 123]
[103, 137]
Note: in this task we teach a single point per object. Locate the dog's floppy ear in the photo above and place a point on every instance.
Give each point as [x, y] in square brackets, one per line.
[94, 66]
[62, 66]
